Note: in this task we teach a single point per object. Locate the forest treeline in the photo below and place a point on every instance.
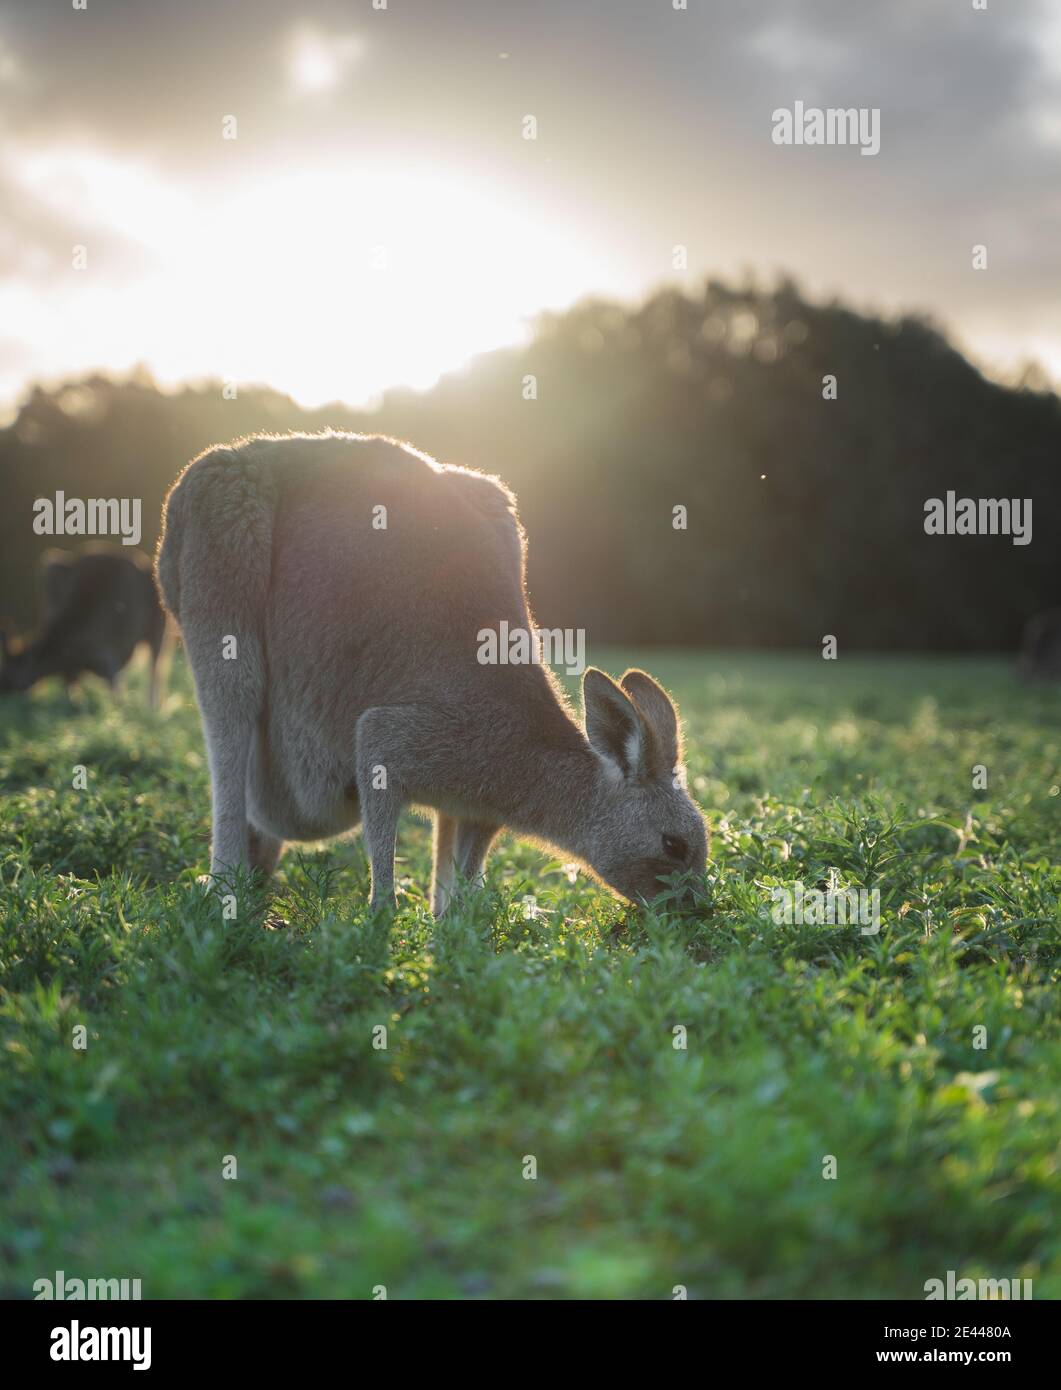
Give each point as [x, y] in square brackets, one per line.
[803, 515]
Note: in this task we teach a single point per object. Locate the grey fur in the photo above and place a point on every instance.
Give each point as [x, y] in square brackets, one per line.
[97, 606]
[357, 651]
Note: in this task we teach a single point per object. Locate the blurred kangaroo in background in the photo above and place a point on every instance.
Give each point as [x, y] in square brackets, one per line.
[331, 589]
[97, 606]
[1040, 653]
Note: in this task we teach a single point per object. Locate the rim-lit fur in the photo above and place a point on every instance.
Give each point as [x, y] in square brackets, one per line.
[353, 688]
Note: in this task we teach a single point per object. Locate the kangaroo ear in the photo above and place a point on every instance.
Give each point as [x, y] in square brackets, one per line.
[614, 726]
[659, 712]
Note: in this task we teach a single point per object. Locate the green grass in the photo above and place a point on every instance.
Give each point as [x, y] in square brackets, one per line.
[547, 1033]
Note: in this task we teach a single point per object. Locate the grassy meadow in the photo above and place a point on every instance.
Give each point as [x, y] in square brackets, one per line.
[538, 1021]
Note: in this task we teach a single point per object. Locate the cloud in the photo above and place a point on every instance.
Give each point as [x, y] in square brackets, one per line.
[654, 129]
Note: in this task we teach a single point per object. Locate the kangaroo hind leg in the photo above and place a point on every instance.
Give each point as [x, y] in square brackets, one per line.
[444, 869]
[461, 847]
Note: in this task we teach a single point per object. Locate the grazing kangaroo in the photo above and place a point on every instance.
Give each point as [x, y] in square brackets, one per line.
[97, 606]
[332, 591]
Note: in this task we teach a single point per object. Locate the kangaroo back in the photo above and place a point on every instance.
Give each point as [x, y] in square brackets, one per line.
[217, 527]
[213, 566]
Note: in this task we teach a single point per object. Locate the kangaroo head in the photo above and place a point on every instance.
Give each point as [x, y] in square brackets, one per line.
[18, 667]
[644, 824]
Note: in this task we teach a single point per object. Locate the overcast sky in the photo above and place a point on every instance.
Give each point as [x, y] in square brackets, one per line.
[380, 216]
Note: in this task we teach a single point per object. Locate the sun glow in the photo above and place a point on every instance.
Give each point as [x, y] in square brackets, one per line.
[317, 63]
[329, 283]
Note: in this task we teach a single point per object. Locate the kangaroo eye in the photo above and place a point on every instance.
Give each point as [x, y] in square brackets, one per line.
[675, 848]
